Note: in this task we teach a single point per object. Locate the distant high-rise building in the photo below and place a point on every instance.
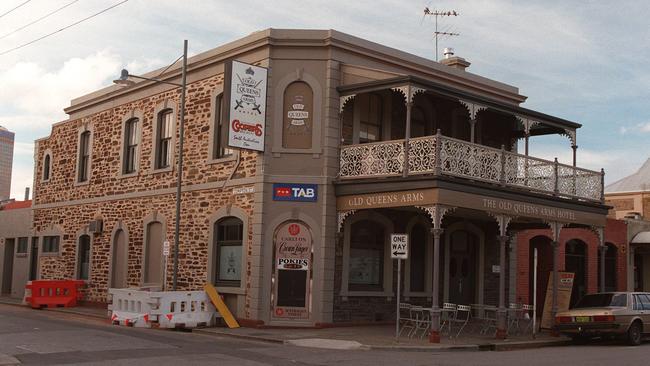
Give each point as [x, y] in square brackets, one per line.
[6, 160]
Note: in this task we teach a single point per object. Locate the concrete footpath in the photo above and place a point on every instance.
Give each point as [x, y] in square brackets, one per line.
[345, 338]
[382, 337]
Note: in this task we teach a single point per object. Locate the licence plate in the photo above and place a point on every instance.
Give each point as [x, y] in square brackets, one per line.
[582, 319]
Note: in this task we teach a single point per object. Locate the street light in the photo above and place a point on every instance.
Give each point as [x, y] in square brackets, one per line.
[125, 79]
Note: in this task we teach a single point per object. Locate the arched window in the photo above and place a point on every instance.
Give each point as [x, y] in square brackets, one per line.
[131, 140]
[298, 115]
[610, 268]
[220, 131]
[46, 167]
[165, 132]
[83, 258]
[229, 234]
[366, 271]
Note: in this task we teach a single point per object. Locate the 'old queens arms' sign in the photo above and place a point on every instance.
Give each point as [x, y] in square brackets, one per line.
[247, 106]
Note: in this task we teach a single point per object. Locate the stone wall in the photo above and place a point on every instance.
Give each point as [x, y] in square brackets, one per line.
[61, 204]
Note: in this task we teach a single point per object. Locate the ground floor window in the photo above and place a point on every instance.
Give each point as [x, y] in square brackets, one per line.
[366, 256]
[229, 236]
[50, 244]
[22, 246]
[83, 261]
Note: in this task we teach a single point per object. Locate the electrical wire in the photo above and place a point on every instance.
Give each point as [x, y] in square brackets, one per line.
[1, 15]
[38, 20]
[62, 29]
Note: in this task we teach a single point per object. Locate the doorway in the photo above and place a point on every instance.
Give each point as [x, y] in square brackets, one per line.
[119, 260]
[33, 260]
[544, 268]
[8, 266]
[462, 267]
[575, 261]
[153, 255]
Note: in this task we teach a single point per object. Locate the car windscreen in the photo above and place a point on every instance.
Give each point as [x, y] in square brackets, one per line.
[601, 300]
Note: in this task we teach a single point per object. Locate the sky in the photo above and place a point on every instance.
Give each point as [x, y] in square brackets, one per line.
[585, 61]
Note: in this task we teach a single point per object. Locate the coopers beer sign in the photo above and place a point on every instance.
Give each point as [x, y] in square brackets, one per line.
[247, 106]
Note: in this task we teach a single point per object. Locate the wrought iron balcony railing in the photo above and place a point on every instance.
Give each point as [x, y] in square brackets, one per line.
[441, 155]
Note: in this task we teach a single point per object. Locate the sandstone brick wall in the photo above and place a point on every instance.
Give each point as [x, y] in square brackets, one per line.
[101, 200]
[107, 134]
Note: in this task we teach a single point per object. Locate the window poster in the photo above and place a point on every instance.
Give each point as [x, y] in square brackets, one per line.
[365, 266]
[230, 262]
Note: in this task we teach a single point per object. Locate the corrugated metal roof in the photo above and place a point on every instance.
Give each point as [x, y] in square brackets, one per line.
[639, 181]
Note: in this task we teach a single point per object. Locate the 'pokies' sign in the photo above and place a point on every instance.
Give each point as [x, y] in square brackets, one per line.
[247, 106]
[292, 271]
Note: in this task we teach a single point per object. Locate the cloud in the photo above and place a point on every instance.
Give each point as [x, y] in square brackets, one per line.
[639, 127]
[29, 87]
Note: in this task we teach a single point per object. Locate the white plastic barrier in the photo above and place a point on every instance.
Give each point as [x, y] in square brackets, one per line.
[165, 309]
[131, 307]
[185, 309]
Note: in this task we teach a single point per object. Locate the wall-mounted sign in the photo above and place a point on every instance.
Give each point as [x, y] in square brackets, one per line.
[298, 116]
[295, 192]
[243, 190]
[292, 271]
[247, 106]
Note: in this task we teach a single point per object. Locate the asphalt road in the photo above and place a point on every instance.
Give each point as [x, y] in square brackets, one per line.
[48, 338]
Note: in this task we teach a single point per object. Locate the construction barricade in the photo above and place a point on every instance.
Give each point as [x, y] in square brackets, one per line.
[53, 293]
[164, 309]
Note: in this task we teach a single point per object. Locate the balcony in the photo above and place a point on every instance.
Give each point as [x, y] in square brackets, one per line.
[439, 155]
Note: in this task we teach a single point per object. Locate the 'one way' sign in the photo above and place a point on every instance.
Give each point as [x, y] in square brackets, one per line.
[399, 246]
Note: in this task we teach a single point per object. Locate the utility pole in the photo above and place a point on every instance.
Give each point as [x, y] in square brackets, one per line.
[440, 13]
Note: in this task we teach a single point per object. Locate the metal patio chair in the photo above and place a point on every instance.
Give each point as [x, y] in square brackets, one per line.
[422, 320]
[463, 315]
[515, 314]
[528, 312]
[406, 320]
[447, 314]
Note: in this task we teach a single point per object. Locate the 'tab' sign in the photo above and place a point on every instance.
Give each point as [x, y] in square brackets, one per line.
[295, 192]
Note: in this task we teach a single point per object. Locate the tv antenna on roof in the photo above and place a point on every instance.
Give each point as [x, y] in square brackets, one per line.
[441, 13]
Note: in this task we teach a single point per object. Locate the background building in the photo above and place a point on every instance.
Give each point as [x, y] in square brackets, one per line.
[6, 160]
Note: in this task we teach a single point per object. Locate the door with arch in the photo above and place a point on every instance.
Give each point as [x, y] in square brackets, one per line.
[462, 267]
[575, 261]
[153, 255]
[119, 258]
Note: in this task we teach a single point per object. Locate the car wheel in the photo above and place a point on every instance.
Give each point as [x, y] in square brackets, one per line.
[634, 334]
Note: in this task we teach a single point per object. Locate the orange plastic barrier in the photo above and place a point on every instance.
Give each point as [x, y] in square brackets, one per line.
[53, 293]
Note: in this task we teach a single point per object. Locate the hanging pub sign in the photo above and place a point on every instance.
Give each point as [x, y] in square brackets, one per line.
[292, 271]
[247, 113]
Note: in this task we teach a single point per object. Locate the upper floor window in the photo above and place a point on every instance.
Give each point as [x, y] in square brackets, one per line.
[130, 146]
[370, 118]
[46, 167]
[220, 129]
[84, 156]
[164, 139]
[22, 246]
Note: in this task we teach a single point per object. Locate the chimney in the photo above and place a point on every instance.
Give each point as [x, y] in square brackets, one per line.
[26, 193]
[454, 61]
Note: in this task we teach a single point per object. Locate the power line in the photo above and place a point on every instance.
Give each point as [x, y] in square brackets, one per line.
[62, 29]
[15, 8]
[38, 20]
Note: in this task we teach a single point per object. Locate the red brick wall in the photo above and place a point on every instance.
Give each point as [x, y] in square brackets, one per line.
[615, 233]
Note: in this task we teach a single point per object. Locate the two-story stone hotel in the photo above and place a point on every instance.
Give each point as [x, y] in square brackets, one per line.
[385, 142]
